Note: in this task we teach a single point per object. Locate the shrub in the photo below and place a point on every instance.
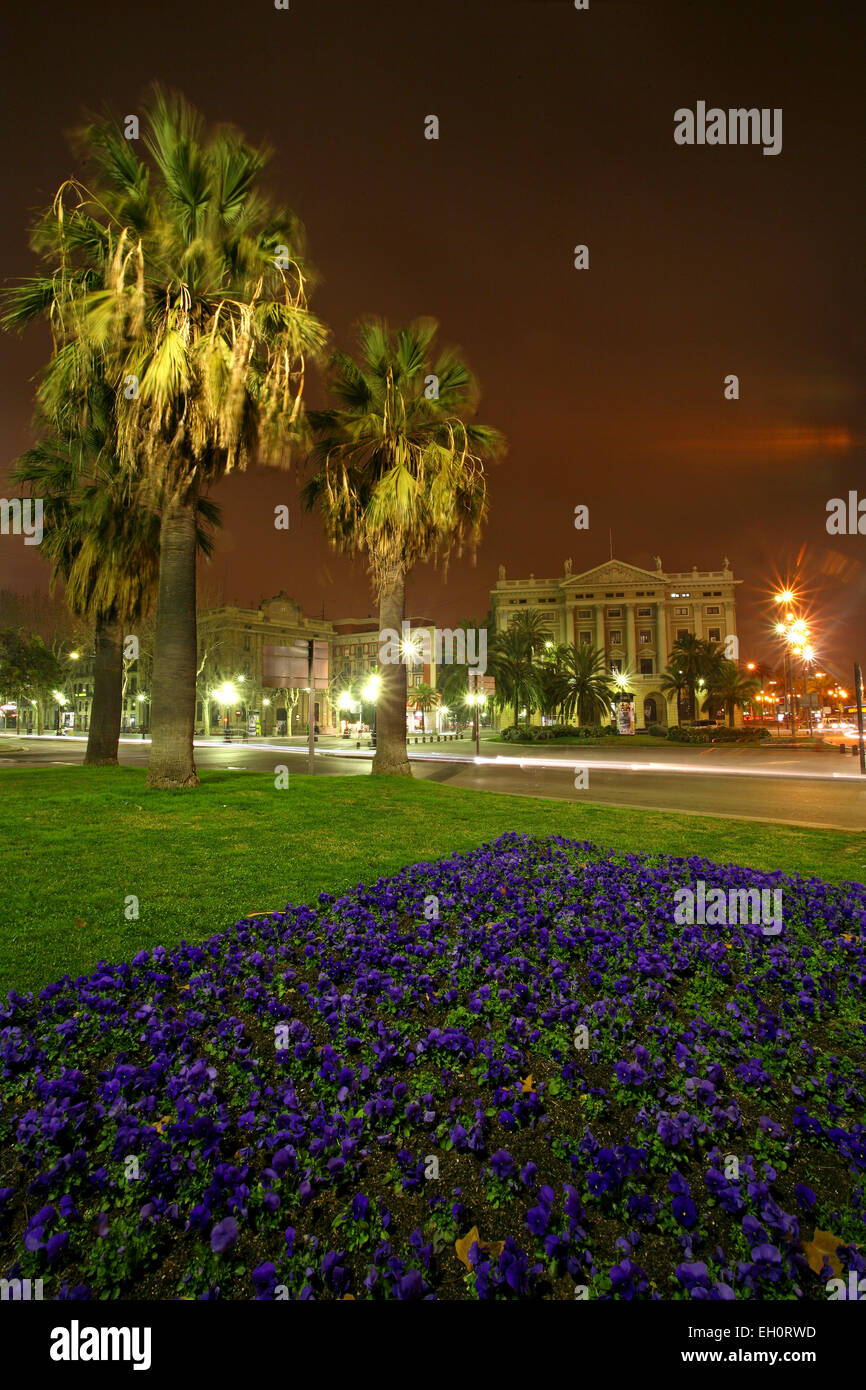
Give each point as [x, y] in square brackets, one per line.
[679, 733]
[657, 730]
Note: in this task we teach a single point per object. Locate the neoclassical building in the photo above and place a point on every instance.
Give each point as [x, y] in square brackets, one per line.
[633, 615]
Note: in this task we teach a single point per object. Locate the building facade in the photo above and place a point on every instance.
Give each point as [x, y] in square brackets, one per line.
[634, 616]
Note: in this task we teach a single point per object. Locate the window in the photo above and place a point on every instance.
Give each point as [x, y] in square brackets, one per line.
[616, 638]
[681, 612]
[644, 612]
[585, 639]
[712, 608]
[614, 612]
[616, 667]
[246, 641]
[645, 636]
[584, 613]
[714, 634]
[682, 632]
[646, 666]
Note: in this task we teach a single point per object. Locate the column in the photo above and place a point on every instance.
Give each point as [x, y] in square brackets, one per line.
[630, 663]
[599, 627]
[661, 639]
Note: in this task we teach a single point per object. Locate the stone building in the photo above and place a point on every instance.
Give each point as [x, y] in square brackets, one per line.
[633, 615]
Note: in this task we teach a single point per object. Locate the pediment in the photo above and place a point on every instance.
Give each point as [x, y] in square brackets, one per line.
[612, 573]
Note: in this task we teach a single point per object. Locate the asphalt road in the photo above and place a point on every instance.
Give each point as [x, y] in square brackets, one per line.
[779, 785]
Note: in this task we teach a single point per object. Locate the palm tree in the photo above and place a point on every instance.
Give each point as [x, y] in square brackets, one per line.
[453, 681]
[399, 477]
[106, 552]
[422, 697]
[587, 689]
[697, 659]
[729, 685]
[518, 681]
[191, 285]
[533, 629]
[673, 682]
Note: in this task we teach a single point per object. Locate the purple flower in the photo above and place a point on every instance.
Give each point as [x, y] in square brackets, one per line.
[224, 1235]
[684, 1210]
[502, 1163]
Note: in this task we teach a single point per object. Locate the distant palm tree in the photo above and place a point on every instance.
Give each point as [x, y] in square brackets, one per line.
[399, 477]
[191, 285]
[587, 688]
[454, 680]
[732, 687]
[422, 697]
[518, 681]
[697, 659]
[533, 629]
[673, 682]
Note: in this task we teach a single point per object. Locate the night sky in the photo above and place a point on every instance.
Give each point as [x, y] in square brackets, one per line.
[556, 129]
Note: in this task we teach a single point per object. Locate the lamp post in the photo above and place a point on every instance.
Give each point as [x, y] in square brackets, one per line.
[227, 696]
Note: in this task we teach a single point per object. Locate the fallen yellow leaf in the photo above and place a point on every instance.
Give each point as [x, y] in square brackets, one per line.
[487, 1247]
[823, 1243]
[526, 1083]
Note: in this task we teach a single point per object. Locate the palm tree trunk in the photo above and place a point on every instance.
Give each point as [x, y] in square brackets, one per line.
[172, 763]
[391, 756]
[104, 733]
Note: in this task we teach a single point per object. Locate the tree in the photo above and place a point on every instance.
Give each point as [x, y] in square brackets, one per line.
[673, 682]
[696, 659]
[587, 689]
[518, 681]
[28, 669]
[454, 680]
[204, 326]
[729, 685]
[533, 629]
[398, 477]
[422, 697]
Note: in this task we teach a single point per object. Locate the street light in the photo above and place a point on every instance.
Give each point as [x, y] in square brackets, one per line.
[226, 695]
[477, 698]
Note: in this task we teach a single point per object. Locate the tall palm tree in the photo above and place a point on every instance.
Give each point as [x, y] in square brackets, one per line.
[696, 658]
[518, 681]
[454, 680]
[106, 553]
[398, 478]
[191, 284]
[102, 542]
[732, 687]
[587, 688]
[673, 682]
[422, 697]
[533, 629]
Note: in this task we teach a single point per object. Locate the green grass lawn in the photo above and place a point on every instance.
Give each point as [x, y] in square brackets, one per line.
[78, 842]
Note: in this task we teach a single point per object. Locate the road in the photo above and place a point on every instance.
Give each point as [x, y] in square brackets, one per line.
[781, 785]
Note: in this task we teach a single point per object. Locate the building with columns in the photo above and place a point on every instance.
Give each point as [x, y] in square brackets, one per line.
[631, 614]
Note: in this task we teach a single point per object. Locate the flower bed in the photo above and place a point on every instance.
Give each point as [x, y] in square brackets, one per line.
[508, 1074]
